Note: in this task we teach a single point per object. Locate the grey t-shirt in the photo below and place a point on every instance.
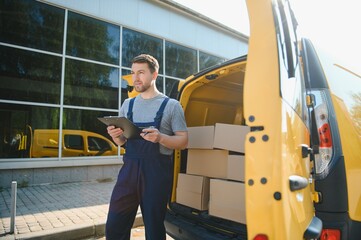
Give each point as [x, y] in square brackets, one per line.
[144, 110]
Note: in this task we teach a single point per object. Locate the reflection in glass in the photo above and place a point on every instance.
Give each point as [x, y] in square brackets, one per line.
[92, 39]
[180, 61]
[91, 85]
[29, 76]
[293, 91]
[207, 60]
[126, 84]
[135, 43]
[19, 128]
[85, 135]
[32, 24]
[159, 84]
[171, 88]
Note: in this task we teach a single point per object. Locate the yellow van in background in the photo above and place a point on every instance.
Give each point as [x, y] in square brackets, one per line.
[45, 143]
[285, 123]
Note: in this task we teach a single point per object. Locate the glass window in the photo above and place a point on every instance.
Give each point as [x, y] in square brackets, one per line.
[97, 144]
[180, 61]
[292, 84]
[159, 84]
[83, 124]
[125, 85]
[135, 43]
[22, 130]
[72, 141]
[29, 76]
[207, 60]
[32, 24]
[171, 87]
[92, 39]
[91, 85]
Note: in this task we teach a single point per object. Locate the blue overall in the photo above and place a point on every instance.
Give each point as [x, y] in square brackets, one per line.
[145, 179]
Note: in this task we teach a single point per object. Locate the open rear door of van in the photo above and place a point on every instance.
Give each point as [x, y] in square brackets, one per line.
[279, 193]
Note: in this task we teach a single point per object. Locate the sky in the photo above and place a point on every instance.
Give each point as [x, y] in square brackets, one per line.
[333, 25]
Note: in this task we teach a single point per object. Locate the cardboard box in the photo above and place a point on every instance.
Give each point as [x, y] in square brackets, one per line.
[193, 191]
[205, 162]
[201, 137]
[223, 136]
[227, 200]
[230, 137]
[235, 167]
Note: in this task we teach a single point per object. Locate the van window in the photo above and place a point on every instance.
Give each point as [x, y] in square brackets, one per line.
[292, 85]
[74, 142]
[97, 144]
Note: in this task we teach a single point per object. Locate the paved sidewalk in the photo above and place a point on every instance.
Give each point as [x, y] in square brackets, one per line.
[58, 211]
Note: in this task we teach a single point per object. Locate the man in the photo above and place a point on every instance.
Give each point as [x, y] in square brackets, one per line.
[146, 176]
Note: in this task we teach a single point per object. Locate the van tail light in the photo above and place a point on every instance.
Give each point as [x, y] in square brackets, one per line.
[323, 158]
[330, 234]
[325, 136]
[260, 237]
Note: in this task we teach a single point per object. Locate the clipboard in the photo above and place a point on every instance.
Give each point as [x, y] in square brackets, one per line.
[130, 130]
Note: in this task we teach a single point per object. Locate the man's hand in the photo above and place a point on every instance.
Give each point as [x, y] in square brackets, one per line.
[117, 135]
[177, 141]
[151, 134]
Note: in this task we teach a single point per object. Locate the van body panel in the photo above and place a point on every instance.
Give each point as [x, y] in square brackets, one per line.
[352, 153]
[273, 154]
[343, 178]
[45, 143]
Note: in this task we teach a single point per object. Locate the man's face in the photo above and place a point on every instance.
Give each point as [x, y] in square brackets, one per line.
[142, 78]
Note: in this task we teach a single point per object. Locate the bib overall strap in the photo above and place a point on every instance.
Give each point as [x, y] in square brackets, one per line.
[159, 115]
[130, 109]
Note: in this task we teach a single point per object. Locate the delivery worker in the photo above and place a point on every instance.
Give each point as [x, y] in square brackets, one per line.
[145, 179]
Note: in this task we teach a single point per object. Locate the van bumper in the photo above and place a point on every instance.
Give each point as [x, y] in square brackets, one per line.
[180, 228]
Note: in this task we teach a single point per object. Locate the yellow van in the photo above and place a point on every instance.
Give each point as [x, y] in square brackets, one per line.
[75, 143]
[279, 120]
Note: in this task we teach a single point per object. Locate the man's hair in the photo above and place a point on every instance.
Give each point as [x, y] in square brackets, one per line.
[150, 60]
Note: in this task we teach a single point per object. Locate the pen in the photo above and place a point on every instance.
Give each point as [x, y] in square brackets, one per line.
[148, 132]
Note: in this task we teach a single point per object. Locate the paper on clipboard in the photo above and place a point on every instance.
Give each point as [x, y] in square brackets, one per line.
[129, 129]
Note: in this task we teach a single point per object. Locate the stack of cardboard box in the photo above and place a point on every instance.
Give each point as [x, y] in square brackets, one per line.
[214, 180]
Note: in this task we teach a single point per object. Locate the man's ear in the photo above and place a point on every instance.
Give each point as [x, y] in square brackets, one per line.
[155, 75]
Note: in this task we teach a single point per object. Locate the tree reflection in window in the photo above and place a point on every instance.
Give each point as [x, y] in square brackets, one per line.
[32, 24]
[206, 60]
[29, 76]
[180, 61]
[135, 43]
[91, 85]
[171, 86]
[92, 39]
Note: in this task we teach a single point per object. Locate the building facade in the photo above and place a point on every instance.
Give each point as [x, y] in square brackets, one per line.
[61, 67]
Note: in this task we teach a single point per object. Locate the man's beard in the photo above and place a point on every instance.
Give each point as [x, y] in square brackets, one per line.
[141, 88]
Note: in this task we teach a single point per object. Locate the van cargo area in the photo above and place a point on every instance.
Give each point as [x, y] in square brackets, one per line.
[214, 160]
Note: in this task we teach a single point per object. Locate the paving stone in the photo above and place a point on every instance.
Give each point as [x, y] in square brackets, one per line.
[54, 207]
[35, 228]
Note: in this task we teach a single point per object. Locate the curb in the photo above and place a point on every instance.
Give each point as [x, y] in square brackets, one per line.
[80, 231]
